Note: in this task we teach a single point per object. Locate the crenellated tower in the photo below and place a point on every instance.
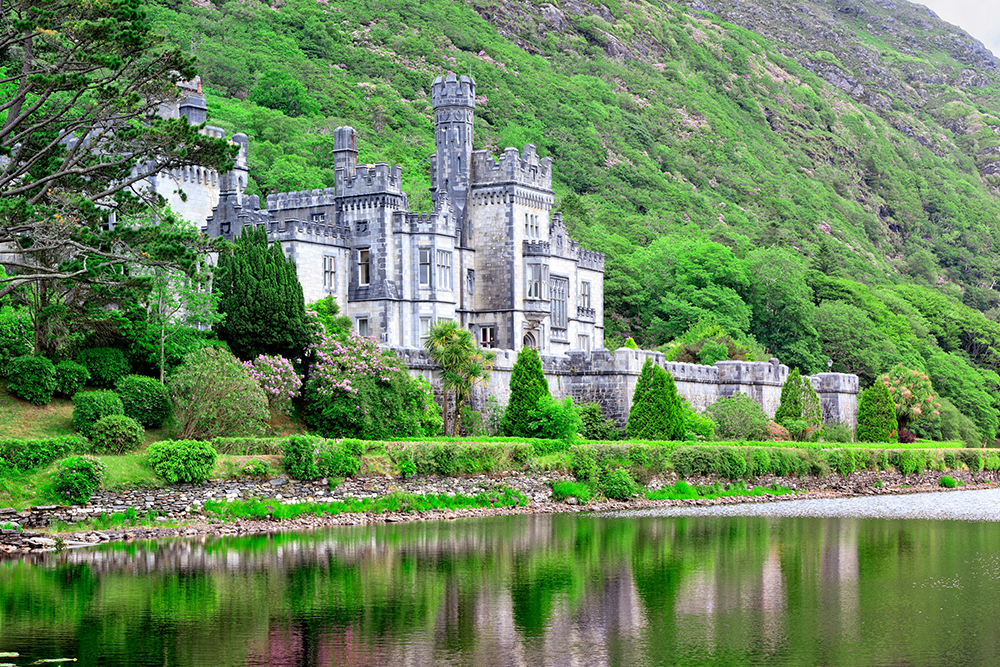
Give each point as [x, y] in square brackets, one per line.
[454, 102]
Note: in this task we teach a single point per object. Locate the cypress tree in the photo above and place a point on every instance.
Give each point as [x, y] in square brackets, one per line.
[876, 415]
[656, 412]
[262, 300]
[527, 385]
[791, 399]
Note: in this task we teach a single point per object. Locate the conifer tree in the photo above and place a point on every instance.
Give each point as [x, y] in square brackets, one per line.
[262, 299]
[527, 385]
[656, 412]
[799, 409]
[876, 415]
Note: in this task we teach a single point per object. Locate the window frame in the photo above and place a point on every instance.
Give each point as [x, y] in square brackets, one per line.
[585, 294]
[364, 267]
[559, 296]
[367, 325]
[330, 273]
[445, 275]
[424, 267]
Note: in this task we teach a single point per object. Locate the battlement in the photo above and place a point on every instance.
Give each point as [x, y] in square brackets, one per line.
[590, 259]
[377, 178]
[536, 248]
[307, 231]
[214, 132]
[525, 168]
[452, 91]
[303, 199]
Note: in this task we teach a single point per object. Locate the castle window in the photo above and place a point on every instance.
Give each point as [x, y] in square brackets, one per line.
[585, 294]
[362, 226]
[534, 281]
[583, 343]
[487, 336]
[558, 288]
[425, 266]
[527, 226]
[329, 273]
[363, 329]
[364, 261]
[470, 281]
[317, 218]
[425, 327]
[444, 270]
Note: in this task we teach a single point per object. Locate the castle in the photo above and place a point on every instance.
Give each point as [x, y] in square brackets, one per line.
[490, 254]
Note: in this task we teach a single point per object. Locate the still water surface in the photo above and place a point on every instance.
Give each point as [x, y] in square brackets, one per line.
[637, 589]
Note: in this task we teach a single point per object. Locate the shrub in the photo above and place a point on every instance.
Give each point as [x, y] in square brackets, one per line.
[799, 410]
[555, 420]
[619, 485]
[731, 463]
[563, 489]
[949, 460]
[527, 385]
[777, 433]
[299, 457]
[656, 412]
[249, 446]
[837, 433]
[739, 418]
[116, 434]
[255, 468]
[89, 407]
[713, 351]
[339, 459]
[70, 378]
[77, 478]
[908, 462]
[876, 415]
[29, 455]
[696, 425]
[32, 378]
[841, 460]
[278, 379]
[106, 365]
[972, 459]
[593, 425]
[213, 395]
[906, 437]
[145, 400]
[456, 458]
[948, 482]
[17, 337]
[178, 461]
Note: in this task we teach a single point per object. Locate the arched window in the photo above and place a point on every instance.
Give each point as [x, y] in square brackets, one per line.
[529, 340]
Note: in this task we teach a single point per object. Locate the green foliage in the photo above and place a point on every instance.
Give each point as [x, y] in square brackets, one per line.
[116, 434]
[696, 425]
[948, 482]
[619, 485]
[630, 343]
[972, 458]
[299, 457]
[106, 365]
[15, 334]
[656, 412]
[213, 395]
[459, 458]
[76, 479]
[555, 420]
[563, 489]
[462, 362]
[262, 300]
[339, 459]
[837, 433]
[32, 378]
[739, 417]
[280, 91]
[249, 446]
[70, 377]
[876, 415]
[89, 407]
[593, 425]
[527, 386]
[177, 461]
[144, 399]
[30, 455]
[799, 410]
[328, 313]
[912, 393]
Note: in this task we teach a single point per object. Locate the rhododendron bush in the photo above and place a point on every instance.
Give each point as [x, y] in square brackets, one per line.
[912, 393]
[356, 390]
[278, 379]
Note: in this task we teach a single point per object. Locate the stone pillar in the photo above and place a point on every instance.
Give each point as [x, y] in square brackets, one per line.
[838, 397]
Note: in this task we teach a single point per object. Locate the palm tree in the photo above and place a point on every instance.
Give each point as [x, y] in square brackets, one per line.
[462, 364]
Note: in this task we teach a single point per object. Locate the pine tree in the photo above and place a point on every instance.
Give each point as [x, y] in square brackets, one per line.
[656, 412]
[876, 415]
[791, 399]
[262, 299]
[527, 385]
[799, 409]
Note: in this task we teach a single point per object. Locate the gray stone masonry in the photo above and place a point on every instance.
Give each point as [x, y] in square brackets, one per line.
[609, 378]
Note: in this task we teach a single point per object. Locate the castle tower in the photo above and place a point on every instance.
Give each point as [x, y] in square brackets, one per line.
[454, 102]
[345, 150]
[234, 181]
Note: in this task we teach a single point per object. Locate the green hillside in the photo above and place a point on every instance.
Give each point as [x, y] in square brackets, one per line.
[823, 185]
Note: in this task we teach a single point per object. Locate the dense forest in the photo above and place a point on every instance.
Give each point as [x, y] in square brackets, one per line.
[819, 184]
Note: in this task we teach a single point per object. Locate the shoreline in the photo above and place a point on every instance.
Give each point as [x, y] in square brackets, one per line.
[194, 525]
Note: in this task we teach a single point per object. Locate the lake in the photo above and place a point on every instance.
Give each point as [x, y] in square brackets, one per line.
[788, 583]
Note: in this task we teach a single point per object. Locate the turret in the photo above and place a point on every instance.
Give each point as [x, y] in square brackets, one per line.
[345, 150]
[454, 102]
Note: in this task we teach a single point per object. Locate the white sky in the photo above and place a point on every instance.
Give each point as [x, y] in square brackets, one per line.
[979, 18]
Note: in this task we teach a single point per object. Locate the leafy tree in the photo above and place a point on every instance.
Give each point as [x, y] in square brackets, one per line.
[280, 91]
[462, 362]
[97, 73]
[328, 313]
[912, 393]
[262, 300]
[799, 409]
[876, 415]
[656, 412]
[527, 385]
[556, 420]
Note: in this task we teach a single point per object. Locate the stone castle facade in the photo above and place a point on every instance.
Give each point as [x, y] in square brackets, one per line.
[490, 255]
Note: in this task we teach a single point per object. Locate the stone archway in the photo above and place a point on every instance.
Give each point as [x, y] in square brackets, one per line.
[529, 340]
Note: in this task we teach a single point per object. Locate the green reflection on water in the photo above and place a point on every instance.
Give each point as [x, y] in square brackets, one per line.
[523, 590]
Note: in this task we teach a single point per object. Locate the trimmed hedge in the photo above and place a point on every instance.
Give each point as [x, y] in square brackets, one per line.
[30, 455]
[76, 479]
[89, 407]
[249, 446]
[106, 365]
[145, 400]
[70, 377]
[178, 461]
[116, 434]
[458, 458]
[32, 378]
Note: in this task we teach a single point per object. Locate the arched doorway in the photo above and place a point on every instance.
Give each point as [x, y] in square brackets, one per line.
[529, 340]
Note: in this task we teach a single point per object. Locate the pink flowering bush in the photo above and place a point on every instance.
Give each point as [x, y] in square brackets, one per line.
[777, 433]
[277, 377]
[912, 393]
[356, 390]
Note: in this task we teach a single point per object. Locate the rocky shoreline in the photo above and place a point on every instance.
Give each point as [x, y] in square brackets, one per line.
[182, 504]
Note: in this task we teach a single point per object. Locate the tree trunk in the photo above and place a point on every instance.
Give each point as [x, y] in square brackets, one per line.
[444, 393]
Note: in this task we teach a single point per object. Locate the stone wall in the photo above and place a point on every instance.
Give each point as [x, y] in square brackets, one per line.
[609, 378]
